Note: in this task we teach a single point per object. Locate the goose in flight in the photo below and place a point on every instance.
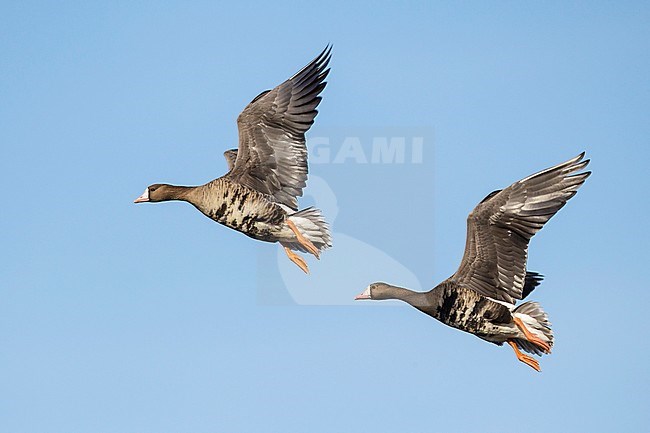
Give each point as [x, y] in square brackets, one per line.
[266, 174]
[480, 297]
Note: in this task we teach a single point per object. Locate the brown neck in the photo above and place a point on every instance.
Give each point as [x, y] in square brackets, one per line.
[175, 192]
[416, 299]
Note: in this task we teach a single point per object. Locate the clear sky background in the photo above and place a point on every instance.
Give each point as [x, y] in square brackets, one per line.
[117, 317]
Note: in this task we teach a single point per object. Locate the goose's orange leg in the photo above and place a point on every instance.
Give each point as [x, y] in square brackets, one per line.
[528, 360]
[530, 337]
[303, 240]
[297, 260]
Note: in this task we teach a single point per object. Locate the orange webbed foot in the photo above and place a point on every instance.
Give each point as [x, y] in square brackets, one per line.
[299, 261]
[543, 345]
[528, 360]
[303, 240]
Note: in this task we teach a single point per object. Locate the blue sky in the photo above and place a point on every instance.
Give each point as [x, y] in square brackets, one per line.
[152, 318]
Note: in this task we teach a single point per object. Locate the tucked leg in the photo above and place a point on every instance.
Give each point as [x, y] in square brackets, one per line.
[303, 240]
[530, 337]
[297, 260]
[528, 360]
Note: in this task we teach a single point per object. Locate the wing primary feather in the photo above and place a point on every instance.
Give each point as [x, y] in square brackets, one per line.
[502, 224]
[272, 155]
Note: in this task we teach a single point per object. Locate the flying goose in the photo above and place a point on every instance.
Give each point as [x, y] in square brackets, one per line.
[266, 174]
[480, 297]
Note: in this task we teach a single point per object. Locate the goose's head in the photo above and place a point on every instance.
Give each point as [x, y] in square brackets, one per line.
[156, 192]
[375, 291]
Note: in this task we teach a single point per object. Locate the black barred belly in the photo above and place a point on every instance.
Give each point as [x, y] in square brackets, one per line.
[249, 213]
[468, 311]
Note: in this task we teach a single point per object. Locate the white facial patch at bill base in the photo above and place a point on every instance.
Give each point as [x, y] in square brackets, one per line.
[143, 197]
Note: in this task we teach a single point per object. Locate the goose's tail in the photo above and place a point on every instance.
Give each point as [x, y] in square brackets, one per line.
[312, 225]
[536, 320]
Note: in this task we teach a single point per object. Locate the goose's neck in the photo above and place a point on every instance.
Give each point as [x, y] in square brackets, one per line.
[416, 299]
[177, 192]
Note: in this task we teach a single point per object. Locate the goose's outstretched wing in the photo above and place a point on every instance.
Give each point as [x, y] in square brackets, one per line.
[500, 227]
[272, 156]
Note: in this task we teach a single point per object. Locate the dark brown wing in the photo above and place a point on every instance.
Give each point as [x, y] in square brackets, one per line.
[500, 227]
[272, 156]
